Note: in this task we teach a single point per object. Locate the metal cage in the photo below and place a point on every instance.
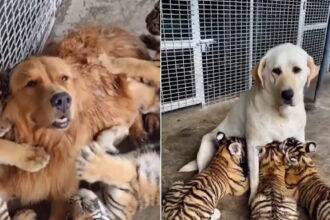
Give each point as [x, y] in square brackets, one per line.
[24, 28]
[209, 46]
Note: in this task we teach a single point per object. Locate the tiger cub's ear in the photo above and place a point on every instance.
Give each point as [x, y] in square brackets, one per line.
[235, 149]
[310, 146]
[220, 137]
[261, 151]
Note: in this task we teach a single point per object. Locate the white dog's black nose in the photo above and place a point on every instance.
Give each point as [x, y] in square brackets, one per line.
[287, 95]
[61, 101]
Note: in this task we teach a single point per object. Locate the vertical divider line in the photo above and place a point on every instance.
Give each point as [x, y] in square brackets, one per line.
[301, 23]
[196, 41]
[251, 43]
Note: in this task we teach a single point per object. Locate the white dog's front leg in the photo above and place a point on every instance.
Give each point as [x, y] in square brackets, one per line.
[206, 150]
[301, 135]
[253, 161]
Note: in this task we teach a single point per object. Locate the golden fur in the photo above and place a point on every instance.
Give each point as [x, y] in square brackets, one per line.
[109, 47]
[100, 100]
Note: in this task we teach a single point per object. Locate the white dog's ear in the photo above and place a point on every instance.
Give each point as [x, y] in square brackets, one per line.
[313, 70]
[257, 71]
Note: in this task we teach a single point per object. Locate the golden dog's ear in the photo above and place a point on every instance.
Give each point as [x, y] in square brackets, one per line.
[257, 72]
[313, 70]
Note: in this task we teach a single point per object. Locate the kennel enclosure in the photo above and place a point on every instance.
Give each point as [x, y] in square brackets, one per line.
[208, 47]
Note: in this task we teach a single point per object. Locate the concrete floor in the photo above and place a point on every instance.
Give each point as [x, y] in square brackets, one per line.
[182, 131]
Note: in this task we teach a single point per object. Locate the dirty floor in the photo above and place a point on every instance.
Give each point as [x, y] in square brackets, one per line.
[182, 131]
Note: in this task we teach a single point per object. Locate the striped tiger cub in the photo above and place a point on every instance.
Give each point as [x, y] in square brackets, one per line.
[226, 174]
[25, 214]
[304, 182]
[272, 200]
[129, 183]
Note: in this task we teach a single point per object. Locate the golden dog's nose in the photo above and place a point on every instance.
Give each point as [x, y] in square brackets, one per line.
[61, 101]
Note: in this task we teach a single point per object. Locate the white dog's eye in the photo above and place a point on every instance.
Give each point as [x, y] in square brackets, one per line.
[296, 69]
[277, 70]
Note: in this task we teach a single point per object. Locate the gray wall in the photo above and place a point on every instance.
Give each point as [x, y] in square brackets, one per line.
[128, 14]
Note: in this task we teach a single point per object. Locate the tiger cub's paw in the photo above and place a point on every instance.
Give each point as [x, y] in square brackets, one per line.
[216, 215]
[85, 203]
[89, 162]
[25, 214]
[32, 159]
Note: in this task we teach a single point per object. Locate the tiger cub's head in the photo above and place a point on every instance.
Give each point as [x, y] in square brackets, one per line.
[272, 159]
[153, 20]
[232, 151]
[299, 163]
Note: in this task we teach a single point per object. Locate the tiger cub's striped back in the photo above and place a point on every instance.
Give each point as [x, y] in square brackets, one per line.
[271, 200]
[304, 182]
[198, 198]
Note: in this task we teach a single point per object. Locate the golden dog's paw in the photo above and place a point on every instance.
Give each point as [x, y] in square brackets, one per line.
[33, 159]
[89, 162]
[25, 214]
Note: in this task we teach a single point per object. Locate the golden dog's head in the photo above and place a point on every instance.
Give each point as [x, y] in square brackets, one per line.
[43, 92]
[283, 72]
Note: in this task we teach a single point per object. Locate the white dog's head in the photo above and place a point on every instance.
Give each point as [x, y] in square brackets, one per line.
[283, 73]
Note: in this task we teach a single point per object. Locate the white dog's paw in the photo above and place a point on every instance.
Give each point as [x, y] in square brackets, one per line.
[216, 215]
[251, 198]
[89, 161]
[25, 214]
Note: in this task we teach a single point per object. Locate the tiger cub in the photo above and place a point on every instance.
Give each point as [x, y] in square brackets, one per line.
[198, 198]
[129, 183]
[271, 200]
[304, 182]
[152, 40]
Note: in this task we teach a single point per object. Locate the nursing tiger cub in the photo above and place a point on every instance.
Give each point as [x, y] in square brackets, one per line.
[304, 182]
[272, 200]
[130, 183]
[198, 198]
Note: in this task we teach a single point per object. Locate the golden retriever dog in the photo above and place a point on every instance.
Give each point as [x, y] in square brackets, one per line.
[61, 104]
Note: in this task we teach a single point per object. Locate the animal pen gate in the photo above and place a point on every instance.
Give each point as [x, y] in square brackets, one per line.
[209, 46]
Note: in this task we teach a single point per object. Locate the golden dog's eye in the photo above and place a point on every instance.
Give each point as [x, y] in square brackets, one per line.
[31, 83]
[64, 78]
[277, 71]
[296, 69]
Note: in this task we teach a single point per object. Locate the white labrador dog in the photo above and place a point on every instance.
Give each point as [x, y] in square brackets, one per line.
[272, 110]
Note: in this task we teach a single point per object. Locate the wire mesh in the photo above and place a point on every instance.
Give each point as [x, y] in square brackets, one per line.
[225, 24]
[178, 82]
[178, 73]
[317, 11]
[274, 22]
[313, 43]
[24, 25]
